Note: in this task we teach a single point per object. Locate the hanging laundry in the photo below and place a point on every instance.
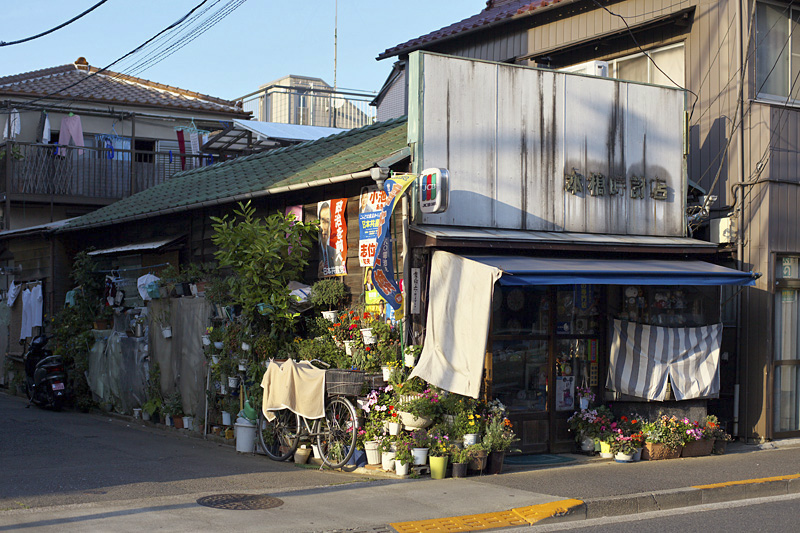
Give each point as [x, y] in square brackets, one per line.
[16, 125]
[13, 292]
[71, 128]
[26, 328]
[182, 148]
[143, 283]
[37, 305]
[194, 140]
[43, 130]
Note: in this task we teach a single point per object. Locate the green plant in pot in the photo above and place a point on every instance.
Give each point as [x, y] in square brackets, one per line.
[328, 293]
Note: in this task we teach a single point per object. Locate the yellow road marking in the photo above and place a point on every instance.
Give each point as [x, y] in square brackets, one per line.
[747, 482]
[514, 517]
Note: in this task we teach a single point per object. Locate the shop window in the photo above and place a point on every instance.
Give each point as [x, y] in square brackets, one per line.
[669, 306]
[520, 311]
[520, 374]
[777, 51]
[637, 67]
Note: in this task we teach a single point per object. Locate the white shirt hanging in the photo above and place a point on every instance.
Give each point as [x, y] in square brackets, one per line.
[16, 124]
[13, 292]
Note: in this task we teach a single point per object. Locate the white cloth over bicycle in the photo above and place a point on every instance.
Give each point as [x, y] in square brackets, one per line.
[297, 386]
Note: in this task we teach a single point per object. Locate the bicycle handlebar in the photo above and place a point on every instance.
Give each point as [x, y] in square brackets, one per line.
[323, 363]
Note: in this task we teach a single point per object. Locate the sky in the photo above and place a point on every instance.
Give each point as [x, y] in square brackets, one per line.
[259, 42]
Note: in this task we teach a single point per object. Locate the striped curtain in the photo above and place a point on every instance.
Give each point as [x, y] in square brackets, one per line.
[643, 357]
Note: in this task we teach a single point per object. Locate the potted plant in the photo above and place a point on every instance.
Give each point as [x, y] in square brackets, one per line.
[623, 447]
[387, 448]
[585, 396]
[460, 458]
[419, 411]
[162, 318]
[403, 455]
[328, 292]
[420, 444]
[721, 438]
[173, 408]
[372, 431]
[664, 438]
[478, 455]
[216, 336]
[151, 408]
[498, 439]
[438, 453]
[700, 440]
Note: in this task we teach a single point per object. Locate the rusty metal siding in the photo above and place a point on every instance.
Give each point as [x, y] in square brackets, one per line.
[510, 134]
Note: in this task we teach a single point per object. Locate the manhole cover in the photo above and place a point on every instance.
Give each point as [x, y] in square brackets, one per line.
[240, 502]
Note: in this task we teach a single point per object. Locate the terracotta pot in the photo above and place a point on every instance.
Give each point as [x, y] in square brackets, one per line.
[656, 451]
[177, 421]
[698, 448]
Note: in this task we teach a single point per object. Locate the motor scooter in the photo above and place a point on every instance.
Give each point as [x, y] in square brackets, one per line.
[45, 375]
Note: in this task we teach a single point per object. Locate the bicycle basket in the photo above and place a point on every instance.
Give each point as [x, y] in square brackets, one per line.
[343, 382]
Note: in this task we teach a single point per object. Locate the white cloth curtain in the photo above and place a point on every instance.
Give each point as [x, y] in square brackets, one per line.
[459, 310]
[643, 357]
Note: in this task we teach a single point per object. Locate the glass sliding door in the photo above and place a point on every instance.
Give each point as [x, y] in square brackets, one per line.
[786, 356]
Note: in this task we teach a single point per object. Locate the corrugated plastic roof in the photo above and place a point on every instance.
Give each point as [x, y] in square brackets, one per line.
[257, 174]
[110, 87]
[496, 11]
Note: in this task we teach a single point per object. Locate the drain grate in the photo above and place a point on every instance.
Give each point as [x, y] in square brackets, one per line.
[240, 502]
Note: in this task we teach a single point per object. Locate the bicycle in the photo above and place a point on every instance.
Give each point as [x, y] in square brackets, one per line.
[335, 432]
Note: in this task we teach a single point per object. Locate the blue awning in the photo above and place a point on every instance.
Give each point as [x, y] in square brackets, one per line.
[559, 271]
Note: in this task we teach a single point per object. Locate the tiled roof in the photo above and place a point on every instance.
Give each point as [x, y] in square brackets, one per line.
[257, 174]
[496, 11]
[109, 88]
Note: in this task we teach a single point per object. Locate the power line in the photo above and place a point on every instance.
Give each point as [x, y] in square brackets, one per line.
[135, 50]
[70, 21]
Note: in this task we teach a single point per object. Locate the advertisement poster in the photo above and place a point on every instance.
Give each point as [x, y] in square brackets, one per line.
[383, 269]
[565, 393]
[332, 237]
[369, 214]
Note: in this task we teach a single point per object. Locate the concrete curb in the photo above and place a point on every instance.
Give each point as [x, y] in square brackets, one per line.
[574, 510]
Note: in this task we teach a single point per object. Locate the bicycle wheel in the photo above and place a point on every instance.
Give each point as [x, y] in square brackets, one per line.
[336, 437]
[279, 438]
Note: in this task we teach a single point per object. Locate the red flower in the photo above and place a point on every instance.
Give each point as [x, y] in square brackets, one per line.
[391, 407]
[367, 348]
[394, 414]
[634, 421]
[624, 418]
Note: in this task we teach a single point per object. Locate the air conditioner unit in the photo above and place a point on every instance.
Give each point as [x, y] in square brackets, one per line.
[591, 68]
[722, 231]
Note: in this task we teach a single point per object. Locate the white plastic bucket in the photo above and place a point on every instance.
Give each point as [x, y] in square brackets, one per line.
[245, 437]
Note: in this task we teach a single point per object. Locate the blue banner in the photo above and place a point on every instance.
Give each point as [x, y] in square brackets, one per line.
[383, 269]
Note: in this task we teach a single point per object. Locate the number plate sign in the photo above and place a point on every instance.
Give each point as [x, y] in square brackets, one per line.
[58, 386]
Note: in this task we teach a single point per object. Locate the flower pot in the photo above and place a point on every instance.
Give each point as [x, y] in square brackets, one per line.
[597, 445]
[414, 422]
[188, 422]
[246, 346]
[460, 469]
[495, 463]
[408, 359]
[470, 439]
[177, 422]
[394, 428]
[719, 447]
[420, 456]
[226, 418]
[206, 340]
[348, 347]
[638, 455]
[438, 467]
[387, 372]
[137, 413]
[623, 457]
[653, 451]
[698, 448]
[605, 450]
[168, 421]
[387, 460]
[233, 382]
[587, 444]
[401, 469]
[478, 463]
[242, 367]
[218, 345]
[373, 455]
[368, 336]
[146, 416]
[301, 455]
[329, 315]
[166, 331]
[359, 457]
[584, 403]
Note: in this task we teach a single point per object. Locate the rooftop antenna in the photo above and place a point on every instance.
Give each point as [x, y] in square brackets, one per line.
[335, 39]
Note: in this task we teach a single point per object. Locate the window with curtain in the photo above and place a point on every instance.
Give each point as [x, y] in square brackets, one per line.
[637, 67]
[777, 51]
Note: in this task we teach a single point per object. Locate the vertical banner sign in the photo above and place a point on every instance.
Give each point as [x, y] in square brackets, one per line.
[369, 214]
[416, 283]
[383, 269]
[332, 237]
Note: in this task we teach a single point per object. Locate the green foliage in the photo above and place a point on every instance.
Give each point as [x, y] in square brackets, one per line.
[264, 255]
[323, 349]
[328, 292]
[174, 404]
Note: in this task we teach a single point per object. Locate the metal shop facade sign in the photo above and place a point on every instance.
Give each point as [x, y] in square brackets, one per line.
[636, 187]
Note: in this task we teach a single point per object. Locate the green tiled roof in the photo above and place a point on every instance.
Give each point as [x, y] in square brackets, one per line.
[257, 174]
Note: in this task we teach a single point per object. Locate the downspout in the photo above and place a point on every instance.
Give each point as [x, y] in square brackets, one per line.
[739, 234]
[406, 273]
[7, 214]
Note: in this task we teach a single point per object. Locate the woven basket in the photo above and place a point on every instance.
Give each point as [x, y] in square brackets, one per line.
[656, 452]
[343, 382]
[698, 448]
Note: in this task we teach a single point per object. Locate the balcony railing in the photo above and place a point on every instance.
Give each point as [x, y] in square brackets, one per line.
[92, 174]
[311, 106]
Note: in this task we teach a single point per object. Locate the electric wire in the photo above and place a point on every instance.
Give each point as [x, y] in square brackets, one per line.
[51, 30]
